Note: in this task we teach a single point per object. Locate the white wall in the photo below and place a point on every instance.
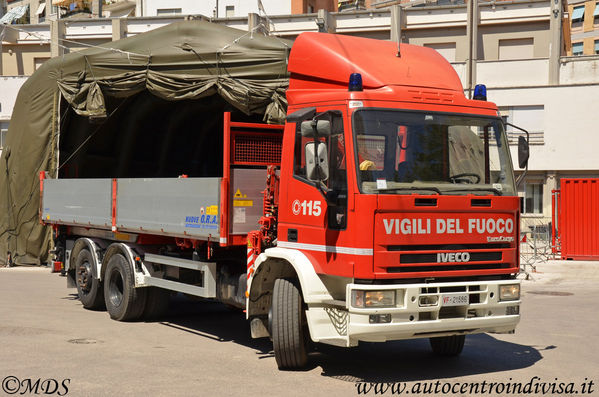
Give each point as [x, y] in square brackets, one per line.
[206, 7]
[571, 139]
[9, 88]
[577, 70]
[513, 73]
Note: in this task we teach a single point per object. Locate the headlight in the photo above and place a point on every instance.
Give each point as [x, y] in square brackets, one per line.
[509, 292]
[373, 298]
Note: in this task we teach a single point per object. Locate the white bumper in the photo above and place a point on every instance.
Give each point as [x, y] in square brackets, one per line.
[413, 315]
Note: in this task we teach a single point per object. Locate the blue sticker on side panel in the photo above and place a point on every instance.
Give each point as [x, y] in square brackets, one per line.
[202, 222]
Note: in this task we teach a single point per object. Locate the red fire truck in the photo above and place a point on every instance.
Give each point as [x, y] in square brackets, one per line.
[385, 208]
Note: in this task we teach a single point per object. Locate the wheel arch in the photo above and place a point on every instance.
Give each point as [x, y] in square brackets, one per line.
[277, 263]
[126, 251]
[95, 247]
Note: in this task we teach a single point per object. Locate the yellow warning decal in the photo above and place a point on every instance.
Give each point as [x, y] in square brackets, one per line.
[122, 236]
[212, 210]
[238, 200]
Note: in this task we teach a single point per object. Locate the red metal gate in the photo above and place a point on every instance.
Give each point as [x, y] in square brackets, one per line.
[577, 225]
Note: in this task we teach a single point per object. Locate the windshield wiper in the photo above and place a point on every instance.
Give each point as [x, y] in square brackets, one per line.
[432, 189]
[478, 189]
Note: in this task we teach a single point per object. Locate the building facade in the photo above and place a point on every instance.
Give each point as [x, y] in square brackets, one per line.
[584, 27]
[518, 49]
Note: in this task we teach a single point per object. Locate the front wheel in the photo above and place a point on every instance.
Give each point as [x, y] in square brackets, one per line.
[124, 302]
[289, 331]
[448, 345]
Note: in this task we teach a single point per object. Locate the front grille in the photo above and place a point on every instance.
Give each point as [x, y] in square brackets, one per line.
[452, 312]
[448, 267]
[446, 260]
[428, 258]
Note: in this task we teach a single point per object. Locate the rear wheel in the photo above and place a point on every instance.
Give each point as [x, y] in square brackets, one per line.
[124, 302]
[448, 345]
[89, 287]
[289, 331]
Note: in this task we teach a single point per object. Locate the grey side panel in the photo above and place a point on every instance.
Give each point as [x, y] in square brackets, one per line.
[246, 200]
[77, 201]
[185, 207]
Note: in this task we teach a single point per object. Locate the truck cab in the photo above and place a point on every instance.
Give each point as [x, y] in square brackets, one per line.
[398, 211]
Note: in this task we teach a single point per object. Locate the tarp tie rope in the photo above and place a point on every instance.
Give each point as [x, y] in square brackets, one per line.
[48, 41]
[90, 67]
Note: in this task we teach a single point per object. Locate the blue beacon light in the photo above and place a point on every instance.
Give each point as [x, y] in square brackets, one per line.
[480, 92]
[355, 82]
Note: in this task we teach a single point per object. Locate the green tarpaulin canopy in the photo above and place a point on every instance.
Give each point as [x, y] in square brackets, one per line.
[78, 113]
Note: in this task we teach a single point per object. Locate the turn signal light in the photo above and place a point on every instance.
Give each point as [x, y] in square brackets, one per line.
[510, 292]
[365, 299]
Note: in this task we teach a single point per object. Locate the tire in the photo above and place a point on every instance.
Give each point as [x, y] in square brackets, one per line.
[289, 331]
[124, 302]
[89, 288]
[156, 303]
[448, 346]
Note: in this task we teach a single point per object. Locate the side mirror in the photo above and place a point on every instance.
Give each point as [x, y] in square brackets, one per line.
[317, 164]
[523, 152]
[316, 128]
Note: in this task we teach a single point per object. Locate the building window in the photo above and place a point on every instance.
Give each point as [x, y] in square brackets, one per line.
[41, 12]
[2, 138]
[37, 62]
[445, 49]
[168, 11]
[596, 46]
[351, 5]
[577, 48]
[516, 49]
[596, 14]
[532, 202]
[310, 9]
[578, 14]
[230, 11]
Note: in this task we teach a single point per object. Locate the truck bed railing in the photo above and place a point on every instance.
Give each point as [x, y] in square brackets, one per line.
[209, 209]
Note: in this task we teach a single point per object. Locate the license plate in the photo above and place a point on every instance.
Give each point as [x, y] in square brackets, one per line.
[454, 300]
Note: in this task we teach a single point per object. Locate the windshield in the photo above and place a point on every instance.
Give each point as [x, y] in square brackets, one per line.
[402, 152]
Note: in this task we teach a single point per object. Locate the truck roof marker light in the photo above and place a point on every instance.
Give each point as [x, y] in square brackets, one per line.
[480, 92]
[355, 104]
[355, 82]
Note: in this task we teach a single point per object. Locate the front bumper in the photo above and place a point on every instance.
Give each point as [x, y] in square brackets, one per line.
[414, 316]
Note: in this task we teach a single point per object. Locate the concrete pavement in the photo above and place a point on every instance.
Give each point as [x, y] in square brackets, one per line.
[203, 348]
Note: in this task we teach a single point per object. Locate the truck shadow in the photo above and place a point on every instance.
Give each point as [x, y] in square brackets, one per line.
[399, 361]
[214, 321]
[413, 360]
